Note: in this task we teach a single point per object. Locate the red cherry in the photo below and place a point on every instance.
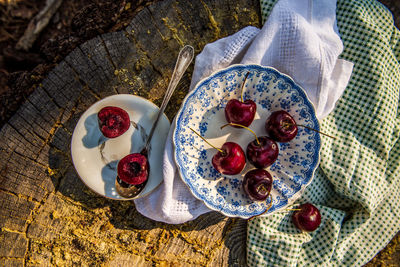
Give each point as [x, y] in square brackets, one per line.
[133, 169]
[113, 121]
[262, 153]
[257, 184]
[308, 218]
[240, 112]
[230, 160]
[281, 126]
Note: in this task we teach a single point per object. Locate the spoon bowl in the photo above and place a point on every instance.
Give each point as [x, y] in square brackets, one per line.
[184, 59]
[128, 190]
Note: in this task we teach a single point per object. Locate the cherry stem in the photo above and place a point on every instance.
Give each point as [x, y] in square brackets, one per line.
[316, 131]
[247, 128]
[309, 128]
[220, 150]
[291, 209]
[269, 207]
[241, 90]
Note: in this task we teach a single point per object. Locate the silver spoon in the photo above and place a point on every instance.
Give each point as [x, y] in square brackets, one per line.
[183, 61]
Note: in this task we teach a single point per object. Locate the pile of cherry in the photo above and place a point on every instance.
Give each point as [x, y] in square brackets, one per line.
[262, 152]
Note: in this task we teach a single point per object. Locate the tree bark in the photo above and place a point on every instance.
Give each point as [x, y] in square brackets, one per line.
[48, 216]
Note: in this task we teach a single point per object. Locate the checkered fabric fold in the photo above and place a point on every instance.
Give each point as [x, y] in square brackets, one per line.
[357, 185]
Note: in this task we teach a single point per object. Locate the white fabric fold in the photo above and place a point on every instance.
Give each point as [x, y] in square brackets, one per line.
[300, 39]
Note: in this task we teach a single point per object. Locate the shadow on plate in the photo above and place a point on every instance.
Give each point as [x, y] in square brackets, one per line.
[93, 137]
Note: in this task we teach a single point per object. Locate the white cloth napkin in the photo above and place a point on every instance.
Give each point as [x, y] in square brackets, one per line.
[300, 38]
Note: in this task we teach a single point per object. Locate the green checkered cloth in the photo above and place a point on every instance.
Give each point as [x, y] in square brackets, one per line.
[357, 185]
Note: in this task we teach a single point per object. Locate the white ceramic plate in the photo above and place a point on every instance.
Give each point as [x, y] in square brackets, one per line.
[203, 110]
[95, 157]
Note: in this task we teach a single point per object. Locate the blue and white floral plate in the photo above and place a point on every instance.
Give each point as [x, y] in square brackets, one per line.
[203, 110]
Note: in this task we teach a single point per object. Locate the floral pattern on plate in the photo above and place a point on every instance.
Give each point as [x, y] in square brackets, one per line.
[203, 110]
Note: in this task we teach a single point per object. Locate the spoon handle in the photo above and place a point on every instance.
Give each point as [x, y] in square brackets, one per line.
[183, 61]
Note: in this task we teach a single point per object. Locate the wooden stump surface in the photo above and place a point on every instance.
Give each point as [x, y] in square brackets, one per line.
[48, 216]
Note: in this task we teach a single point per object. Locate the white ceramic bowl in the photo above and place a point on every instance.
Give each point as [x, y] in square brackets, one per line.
[95, 157]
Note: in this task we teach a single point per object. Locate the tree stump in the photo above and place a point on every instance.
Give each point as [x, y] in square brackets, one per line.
[48, 216]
